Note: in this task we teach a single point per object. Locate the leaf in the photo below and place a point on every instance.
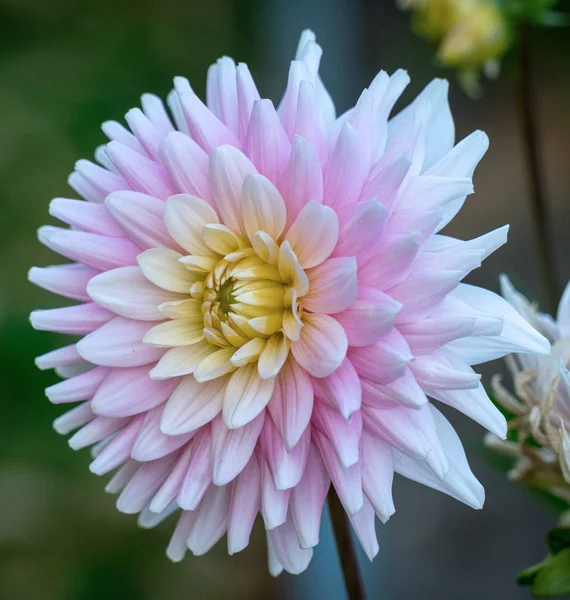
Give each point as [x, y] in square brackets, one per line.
[553, 579]
[528, 576]
[558, 539]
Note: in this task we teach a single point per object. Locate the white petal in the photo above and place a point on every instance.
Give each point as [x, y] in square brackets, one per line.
[263, 207]
[185, 217]
[161, 266]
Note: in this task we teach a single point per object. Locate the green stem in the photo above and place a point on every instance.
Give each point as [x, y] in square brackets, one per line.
[544, 238]
[346, 550]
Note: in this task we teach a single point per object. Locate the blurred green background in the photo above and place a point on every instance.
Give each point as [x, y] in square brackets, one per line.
[66, 66]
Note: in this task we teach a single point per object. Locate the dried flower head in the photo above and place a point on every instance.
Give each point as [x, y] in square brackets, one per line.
[540, 404]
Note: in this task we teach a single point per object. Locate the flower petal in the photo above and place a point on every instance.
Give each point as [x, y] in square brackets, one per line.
[192, 405]
[232, 448]
[228, 170]
[161, 266]
[119, 343]
[332, 286]
[246, 395]
[185, 217]
[322, 346]
[128, 293]
[263, 207]
[314, 234]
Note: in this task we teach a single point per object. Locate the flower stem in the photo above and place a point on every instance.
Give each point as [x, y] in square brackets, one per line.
[529, 129]
[345, 546]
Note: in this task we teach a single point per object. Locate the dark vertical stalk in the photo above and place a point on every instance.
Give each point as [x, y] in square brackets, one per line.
[544, 240]
[345, 546]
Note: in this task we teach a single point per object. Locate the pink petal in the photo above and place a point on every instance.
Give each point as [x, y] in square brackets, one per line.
[286, 466]
[211, 520]
[423, 292]
[154, 109]
[363, 523]
[221, 92]
[303, 180]
[130, 391]
[232, 448]
[74, 418]
[169, 490]
[362, 227]
[291, 405]
[288, 552]
[459, 482]
[245, 504]
[247, 94]
[65, 356]
[314, 234]
[228, 170]
[443, 370]
[340, 389]
[308, 122]
[392, 264]
[193, 405]
[322, 346]
[347, 482]
[119, 343]
[204, 127]
[308, 498]
[94, 431]
[346, 170]
[80, 387]
[80, 319]
[385, 360]
[66, 280]
[128, 293]
[93, 182]
[151, 443]
[187, 165]
[343, 435]
[143, 175]
[369, 317]
[198, 476]
[87, 216]
[405, 391]
[144, 485]
[145, 131]
[118, 451]
[274, 503]
[98, 251]
[333, 286]
[140, 216]
[177, 547]
[378, 474]
[386, 179]
[267, 145]
[426, 335]
[411, 431]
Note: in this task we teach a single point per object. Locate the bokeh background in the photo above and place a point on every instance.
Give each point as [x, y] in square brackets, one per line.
[66, 66]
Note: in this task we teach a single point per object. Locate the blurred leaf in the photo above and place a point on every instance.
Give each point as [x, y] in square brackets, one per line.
[553, 579]
[528, 576]
[558, 539]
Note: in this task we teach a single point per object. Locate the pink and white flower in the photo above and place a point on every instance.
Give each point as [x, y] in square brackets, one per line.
[266, 305]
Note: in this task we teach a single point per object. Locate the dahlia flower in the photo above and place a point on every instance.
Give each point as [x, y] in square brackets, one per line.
[266, 305]
[541, 403]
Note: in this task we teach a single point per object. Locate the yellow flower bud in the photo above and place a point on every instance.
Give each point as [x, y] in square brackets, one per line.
[477, 37]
